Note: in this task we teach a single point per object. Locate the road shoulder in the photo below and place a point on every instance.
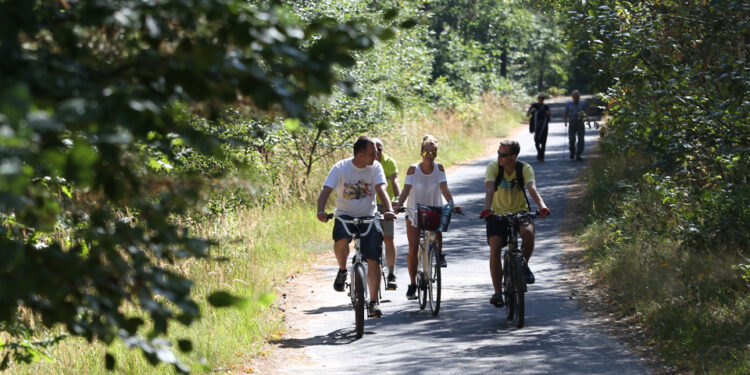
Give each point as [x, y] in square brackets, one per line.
[590, 297]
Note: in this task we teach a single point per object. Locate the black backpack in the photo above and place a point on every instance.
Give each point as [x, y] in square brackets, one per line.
[518, 180]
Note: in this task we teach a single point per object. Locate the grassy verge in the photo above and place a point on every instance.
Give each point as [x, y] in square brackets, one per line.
[255, 252]
[690, 297]
[258, 249]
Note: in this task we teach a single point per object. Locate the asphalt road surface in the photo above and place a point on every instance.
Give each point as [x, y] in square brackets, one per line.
[469, 336]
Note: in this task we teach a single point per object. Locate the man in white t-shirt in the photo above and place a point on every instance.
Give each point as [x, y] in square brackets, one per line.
[356, 181]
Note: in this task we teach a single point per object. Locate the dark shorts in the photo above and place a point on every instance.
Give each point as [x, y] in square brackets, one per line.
[371, 245]
[495, 227]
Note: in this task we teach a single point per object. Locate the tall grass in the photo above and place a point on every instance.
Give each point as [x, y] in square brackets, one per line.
[461, 134]
[690, 297]
[258, 249]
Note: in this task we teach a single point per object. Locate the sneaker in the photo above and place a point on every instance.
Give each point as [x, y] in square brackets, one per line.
[572, 156]
[411, 292]
[338, 284]
[579, 158]
[391, 283]
[497, 300]
[529, 276]
[442, 261]
[373, 310]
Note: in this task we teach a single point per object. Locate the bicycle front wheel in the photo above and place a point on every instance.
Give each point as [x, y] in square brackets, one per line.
[508, 289]
[518, 299]
[422, 289]
[434, 280]
[519, 279]
[359, 299]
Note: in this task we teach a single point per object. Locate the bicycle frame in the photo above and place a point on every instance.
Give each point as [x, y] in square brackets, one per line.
[426, 238]
[428, 277]
[357, 259]
[514, 279]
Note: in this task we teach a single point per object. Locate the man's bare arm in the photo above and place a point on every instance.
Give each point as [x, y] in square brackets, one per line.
[325, 192]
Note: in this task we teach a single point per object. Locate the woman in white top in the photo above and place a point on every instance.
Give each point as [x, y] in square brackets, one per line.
[425, 184]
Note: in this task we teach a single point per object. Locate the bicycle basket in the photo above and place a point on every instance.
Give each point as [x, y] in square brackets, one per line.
[428, 218]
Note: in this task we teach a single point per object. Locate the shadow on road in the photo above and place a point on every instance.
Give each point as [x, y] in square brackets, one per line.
[470, 336]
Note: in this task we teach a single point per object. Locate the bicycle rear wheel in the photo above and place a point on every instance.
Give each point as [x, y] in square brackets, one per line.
[434, 281]
[510, 304]
[359, 300]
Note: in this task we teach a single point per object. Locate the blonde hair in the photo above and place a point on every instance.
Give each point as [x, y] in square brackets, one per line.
[428, 140]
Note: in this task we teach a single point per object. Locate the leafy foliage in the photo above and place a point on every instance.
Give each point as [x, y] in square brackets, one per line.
[675, 78]
[96, 103]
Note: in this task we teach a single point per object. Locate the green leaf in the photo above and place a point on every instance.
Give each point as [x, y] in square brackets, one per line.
[291, 124]
[185, 345]
[409, 23]
[390, 14]
[68, 191]
[394, 100]
[266, 299]
[225, 299]
[109, 361]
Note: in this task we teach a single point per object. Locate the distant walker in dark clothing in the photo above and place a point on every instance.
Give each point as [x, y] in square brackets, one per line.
[575, 113]
[539, 125]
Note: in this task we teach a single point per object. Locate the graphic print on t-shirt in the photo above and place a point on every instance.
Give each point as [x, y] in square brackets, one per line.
[357, 190]
[505, 184]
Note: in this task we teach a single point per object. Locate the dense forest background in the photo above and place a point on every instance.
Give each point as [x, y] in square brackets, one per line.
[155, 154]
[669, 199]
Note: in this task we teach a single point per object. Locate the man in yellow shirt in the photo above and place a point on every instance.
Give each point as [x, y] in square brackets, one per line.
[391, 174]
[506, 195]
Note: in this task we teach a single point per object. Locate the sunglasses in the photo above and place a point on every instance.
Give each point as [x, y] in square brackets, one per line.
[503, 155]
[430, 153]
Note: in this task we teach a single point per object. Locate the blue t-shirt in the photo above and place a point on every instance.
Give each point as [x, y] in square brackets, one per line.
[575, 112]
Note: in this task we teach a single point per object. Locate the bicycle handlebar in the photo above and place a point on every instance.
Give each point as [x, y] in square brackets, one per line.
[404, 208]
[356, 221]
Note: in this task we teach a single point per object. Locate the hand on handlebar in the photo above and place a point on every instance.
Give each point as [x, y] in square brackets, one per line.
[484, 214]
[389, 216]
[543, 212]
[458, 210]
[322, 216]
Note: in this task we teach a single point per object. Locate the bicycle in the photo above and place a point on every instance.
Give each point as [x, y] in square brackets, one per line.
[514, 277]
[357, 287]
[428, 278]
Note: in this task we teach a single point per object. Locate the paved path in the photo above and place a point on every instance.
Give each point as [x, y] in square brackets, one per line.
[469, 336]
